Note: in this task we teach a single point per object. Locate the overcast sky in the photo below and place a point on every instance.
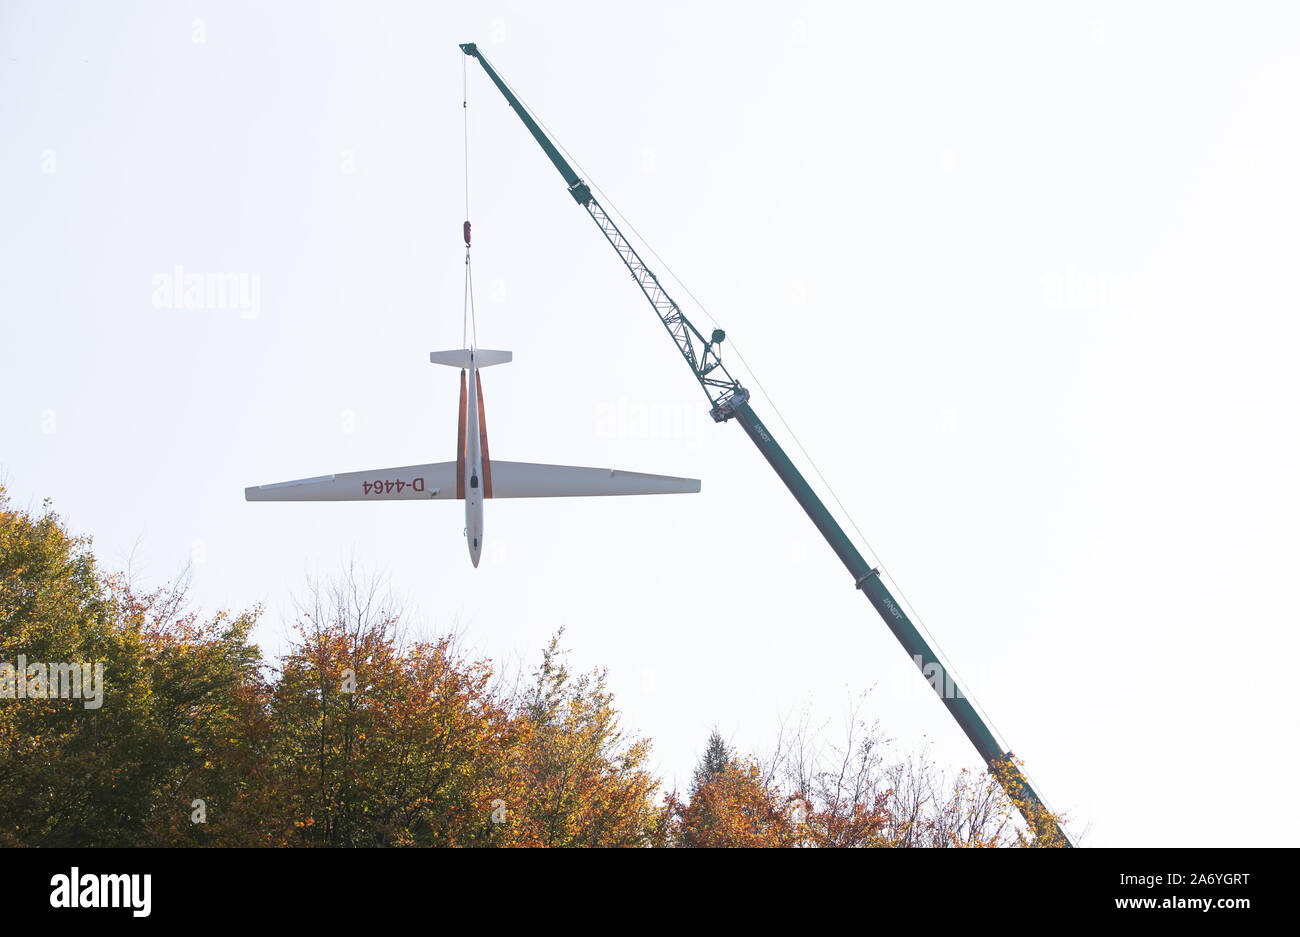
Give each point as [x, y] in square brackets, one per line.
[1021, 277]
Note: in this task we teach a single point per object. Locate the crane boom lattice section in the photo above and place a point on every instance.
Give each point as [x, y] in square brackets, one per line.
[700, 353]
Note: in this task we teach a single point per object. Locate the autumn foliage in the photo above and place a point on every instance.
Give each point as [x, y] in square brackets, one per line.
[357, 736]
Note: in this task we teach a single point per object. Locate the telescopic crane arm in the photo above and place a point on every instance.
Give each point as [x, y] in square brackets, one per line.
[730, 400]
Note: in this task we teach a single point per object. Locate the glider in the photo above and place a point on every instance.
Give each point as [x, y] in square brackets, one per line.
[472, 477]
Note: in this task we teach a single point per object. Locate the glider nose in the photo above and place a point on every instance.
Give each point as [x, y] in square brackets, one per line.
[475, 550]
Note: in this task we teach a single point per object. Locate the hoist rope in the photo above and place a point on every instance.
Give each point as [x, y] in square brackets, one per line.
[469, 301]
[469, 322]
[464, 106]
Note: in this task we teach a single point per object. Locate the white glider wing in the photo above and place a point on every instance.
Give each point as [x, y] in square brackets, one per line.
[534, 480]
[436, 480]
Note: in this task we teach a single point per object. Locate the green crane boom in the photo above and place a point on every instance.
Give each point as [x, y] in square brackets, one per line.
[731, 400]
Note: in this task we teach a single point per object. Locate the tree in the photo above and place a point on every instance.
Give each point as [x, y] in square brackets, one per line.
[717, 756]
[173, 697]
[384, 742]
[575, 778]
[733, 807]
[853, 795]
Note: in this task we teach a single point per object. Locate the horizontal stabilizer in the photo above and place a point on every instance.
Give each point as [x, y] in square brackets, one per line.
[408, 483]
[460, 357]
[534, 480]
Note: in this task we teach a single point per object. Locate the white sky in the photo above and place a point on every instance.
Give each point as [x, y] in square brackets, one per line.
[1021, 277]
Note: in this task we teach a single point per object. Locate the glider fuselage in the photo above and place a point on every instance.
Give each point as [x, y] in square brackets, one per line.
[472, 461]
